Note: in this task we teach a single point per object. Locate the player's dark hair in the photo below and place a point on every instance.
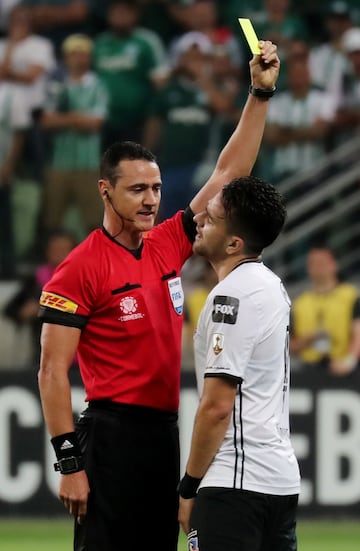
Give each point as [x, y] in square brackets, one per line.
[122, 151]
[254, 211]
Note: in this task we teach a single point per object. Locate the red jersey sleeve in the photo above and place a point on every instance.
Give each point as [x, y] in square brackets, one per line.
[178, 233]
[69, 297]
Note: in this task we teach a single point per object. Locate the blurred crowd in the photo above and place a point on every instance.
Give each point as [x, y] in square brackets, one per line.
[77, 75]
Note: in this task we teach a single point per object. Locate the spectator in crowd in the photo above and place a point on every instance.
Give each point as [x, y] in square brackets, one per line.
[298, 122]
[5, 8]
[129, 60]
[355, 11]
[325, 324]
[161, 17]
[14, 121]
[23, 308]
[180, 119]
[231, 10]
[328, 63]
[280, 24]
[347, 122]
[75, 114]
[297, 128]
[202, 16]
[27, 59]
[58, 19]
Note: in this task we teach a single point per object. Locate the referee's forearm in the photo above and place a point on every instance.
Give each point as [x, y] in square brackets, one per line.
[239, 154]
[55, 396]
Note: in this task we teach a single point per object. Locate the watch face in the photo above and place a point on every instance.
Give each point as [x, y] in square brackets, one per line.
[69, 464]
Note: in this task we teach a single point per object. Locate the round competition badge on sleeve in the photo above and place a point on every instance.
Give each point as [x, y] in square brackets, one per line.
[176, 294]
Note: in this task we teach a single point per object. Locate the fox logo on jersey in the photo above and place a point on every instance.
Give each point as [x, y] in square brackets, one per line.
[225, 309]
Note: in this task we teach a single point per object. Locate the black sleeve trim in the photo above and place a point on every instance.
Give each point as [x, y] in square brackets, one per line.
[49, 315]
[127, 287]
[356, 309]
[168, 276]
[237, 380]
[189, 224]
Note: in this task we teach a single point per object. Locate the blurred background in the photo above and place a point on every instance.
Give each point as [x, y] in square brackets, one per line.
[77, 75]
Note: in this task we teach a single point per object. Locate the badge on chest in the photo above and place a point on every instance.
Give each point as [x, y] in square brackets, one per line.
[176, 294]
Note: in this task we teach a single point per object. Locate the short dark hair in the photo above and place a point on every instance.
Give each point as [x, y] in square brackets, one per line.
[254, 211]
[122, 151]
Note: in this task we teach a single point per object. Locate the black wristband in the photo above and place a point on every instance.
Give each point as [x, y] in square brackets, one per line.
[262, 93]
[188, 486]
[66, 445]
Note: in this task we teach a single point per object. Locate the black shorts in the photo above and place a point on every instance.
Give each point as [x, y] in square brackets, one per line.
[240, 520]
[132, 461]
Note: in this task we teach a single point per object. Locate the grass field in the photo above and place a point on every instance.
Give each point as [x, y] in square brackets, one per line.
[55, 535]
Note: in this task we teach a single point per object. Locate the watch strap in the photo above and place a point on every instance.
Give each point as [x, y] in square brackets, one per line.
[263, 93]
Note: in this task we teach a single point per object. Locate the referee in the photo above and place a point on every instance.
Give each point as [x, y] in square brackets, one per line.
[241, 457]
[117, 301]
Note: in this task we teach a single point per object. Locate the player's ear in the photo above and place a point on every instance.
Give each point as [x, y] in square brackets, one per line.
[234, 245]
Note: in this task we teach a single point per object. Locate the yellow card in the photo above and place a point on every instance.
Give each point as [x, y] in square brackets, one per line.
[250, 35]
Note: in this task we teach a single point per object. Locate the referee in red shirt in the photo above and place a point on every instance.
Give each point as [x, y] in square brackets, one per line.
[117, 300]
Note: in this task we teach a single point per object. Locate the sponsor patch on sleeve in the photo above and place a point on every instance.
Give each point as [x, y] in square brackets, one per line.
[57, 302]
[225, 309]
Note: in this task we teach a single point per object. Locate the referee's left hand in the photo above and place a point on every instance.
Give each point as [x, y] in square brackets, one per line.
[74, 492]
[264, 68]
[185, 508]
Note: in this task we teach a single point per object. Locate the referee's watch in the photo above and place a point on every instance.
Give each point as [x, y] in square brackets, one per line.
[69, 465]
[262, 93]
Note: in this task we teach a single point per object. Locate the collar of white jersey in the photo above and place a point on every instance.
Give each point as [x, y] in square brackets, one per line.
[256, 259]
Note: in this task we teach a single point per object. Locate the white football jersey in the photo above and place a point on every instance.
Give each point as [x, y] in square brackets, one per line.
[243, 333]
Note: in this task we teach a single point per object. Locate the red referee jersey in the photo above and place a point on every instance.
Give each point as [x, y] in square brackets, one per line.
[130, 311]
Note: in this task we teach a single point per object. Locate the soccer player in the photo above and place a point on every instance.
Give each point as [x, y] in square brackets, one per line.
[241, 457]
[117, 300]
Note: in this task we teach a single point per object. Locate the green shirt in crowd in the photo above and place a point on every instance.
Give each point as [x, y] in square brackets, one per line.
[186, 118]
[75, 149]
[125, 65]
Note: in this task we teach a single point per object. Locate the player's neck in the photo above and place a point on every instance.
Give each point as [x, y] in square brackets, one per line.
[224, 268]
